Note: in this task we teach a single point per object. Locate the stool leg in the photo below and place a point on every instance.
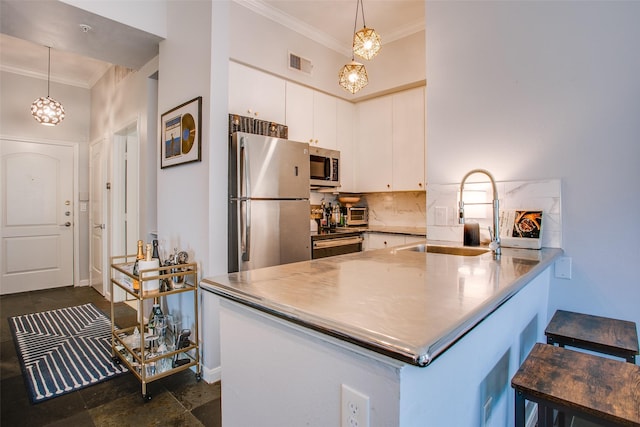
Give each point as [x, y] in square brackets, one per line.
[545, 416]
[519, 409]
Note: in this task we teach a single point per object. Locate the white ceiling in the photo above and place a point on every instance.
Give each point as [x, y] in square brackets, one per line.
[80, 58]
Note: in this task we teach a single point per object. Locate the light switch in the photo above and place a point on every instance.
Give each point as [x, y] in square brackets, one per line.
[563, 268]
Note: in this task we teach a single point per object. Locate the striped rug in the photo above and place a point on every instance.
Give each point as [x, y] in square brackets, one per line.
[64, 350]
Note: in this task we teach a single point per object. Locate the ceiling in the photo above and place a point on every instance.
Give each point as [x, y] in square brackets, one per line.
[80, 57]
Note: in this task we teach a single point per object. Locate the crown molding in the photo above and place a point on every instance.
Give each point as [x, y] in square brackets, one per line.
[276, 15]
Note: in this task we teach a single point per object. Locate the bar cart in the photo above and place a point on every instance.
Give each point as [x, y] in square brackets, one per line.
[154, 351]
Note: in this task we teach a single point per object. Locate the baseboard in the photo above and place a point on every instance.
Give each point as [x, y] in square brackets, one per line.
[211, 375]
[84, 282]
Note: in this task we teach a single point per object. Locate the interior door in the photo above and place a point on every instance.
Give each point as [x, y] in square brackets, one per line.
[36, 216]
[98, 219]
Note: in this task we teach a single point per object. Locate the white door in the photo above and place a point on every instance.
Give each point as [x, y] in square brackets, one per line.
[98, 220]
[36, 216]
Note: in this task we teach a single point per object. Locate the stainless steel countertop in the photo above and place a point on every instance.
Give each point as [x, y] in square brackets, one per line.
[410, 306]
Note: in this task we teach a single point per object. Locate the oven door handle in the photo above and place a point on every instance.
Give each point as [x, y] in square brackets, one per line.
[332, 243]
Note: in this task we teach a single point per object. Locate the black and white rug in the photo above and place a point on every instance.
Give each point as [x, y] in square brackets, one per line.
[64, 350]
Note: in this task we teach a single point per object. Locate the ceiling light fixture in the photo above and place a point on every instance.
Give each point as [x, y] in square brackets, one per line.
[47, 111]
[366, 42]
[353, 76]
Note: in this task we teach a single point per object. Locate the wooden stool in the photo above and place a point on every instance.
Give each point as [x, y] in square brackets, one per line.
[594, 388]
[602, 334]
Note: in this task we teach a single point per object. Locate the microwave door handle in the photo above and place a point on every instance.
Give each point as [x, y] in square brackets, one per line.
[246, 230]
[327, 168]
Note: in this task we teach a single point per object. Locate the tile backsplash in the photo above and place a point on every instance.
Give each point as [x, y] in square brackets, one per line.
[396, 209]
[545, 195]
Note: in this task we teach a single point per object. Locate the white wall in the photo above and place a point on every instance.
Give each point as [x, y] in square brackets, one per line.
[117, 104]
[534, 90]
[265, 44]
[192, 198]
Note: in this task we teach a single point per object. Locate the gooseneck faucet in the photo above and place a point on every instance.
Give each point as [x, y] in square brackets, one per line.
[495, 235]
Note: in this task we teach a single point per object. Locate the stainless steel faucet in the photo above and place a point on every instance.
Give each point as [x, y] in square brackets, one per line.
[495, 234]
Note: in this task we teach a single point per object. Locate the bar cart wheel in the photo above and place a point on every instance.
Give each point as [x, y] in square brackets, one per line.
[116, 360]
[198, 377]
[146, 397]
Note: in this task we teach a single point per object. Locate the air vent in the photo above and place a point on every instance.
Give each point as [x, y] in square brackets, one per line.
[299, 63]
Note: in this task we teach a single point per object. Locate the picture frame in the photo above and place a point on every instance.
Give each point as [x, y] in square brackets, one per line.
[180, 135]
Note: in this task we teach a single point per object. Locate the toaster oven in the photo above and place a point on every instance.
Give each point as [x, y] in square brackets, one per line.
[357, 216]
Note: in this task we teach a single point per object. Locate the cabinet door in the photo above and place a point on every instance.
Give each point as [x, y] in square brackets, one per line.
[408, 140]
[384, 240]
[255, 93]
[374, 147]
[345, 141]
[324, 120]
[299, 112]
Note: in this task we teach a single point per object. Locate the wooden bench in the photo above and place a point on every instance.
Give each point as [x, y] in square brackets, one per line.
[601, 334]
[594, 388]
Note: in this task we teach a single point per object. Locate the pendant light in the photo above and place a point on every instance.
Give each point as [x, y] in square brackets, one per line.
[46, 110]
[353, 76]
[366, 42]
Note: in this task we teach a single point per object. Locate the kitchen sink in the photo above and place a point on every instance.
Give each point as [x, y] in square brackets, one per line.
[447, 250]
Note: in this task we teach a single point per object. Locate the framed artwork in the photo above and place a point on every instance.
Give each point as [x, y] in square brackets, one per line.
[180, 134]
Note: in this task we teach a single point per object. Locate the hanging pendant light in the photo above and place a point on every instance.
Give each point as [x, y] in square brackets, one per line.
[46, 110]
[366, 42]
[353, 76]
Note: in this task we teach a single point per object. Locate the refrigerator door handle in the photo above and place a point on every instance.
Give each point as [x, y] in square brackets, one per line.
[244, 170]
[246, 230]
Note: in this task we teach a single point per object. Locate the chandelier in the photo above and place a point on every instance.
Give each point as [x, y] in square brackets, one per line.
[46, 110]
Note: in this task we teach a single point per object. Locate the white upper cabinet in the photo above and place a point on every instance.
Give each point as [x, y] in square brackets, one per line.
[391, 143]
[408, 140]
[374, 147]
[256, 94]
[311, 116]
[345, 141]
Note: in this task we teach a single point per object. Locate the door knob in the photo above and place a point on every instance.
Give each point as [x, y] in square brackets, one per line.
[100, 226]
[66, 224]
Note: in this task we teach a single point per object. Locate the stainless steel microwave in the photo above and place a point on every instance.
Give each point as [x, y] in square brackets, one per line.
[324, 167]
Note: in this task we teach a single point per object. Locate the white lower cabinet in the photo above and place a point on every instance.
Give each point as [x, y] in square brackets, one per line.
[373, 240]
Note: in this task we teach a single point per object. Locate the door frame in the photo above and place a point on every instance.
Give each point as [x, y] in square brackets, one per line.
[106, 253]
[75, 279]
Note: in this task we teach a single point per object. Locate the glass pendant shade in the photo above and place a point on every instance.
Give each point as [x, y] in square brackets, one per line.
[366, 43]
[353, 77]
[47, 111]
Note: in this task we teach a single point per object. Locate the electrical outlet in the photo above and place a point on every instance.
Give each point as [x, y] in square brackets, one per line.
[355, 408]
[563, 268]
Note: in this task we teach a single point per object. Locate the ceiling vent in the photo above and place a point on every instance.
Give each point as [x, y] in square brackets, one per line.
[299, 63]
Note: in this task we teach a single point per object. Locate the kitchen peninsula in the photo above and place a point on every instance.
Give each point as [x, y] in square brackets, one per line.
[427, 338]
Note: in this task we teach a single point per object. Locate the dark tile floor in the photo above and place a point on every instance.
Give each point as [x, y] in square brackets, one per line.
[177, 400]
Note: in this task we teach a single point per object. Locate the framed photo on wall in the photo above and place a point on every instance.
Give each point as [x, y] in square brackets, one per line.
[180, 134]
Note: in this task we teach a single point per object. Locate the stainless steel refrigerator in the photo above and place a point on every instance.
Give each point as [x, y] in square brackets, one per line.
[269, 202]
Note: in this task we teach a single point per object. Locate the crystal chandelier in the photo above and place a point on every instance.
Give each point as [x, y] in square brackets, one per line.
[46, 110]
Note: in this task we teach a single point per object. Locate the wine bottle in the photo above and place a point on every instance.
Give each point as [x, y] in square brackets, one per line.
[136, 272]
